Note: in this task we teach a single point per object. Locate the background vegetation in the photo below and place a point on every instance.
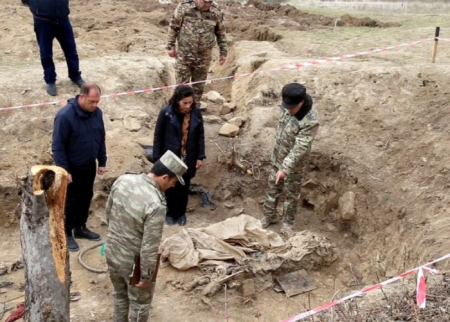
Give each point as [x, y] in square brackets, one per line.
[392, 6]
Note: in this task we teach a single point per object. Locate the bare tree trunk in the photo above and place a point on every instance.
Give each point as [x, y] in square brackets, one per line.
[44, 245]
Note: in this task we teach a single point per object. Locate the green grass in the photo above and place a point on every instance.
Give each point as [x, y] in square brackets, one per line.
[391, 6]
[408, 20]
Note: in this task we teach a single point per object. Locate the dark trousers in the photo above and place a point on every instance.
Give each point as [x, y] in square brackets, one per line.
[61, 29]
[79, 196]
[177, 198]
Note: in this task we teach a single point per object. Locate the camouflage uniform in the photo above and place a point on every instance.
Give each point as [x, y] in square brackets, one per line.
[135, 213]
[196, 32]
[293, 143]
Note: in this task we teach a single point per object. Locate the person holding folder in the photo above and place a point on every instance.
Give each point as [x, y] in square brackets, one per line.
[135, 213]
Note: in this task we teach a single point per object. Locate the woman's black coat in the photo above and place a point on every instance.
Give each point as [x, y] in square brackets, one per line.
[168, 137]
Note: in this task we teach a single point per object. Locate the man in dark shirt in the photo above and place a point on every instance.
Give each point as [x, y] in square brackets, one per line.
[51, 20]
[78, 141]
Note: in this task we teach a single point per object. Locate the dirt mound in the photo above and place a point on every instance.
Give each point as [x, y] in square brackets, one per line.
[348, 20]
[257, 33]
[305, 20]
[271, 17]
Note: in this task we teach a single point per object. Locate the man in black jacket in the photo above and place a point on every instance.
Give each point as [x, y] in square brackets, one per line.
[51, 20]
[78, 141]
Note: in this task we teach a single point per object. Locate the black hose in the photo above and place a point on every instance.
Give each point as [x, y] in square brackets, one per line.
[89, 268]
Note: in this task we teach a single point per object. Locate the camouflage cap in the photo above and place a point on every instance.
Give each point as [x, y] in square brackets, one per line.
[174, 164]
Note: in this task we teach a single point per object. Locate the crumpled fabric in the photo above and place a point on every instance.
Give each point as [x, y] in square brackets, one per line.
[243, 240]
[17, 314]
[246, 231]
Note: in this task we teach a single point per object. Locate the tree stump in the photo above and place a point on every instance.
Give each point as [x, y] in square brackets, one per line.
[44, 244]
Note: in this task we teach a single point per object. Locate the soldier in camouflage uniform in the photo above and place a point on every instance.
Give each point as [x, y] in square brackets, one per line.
[297, 128]
[135, 212]
[196, 24]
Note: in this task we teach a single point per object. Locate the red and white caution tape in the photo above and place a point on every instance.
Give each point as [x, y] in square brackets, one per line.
[444, 39]
[209, 81]
[421, 289]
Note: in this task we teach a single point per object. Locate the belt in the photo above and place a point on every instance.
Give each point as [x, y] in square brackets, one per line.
[52, 20]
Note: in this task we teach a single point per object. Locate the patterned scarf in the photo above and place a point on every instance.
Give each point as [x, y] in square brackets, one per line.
[184, 134]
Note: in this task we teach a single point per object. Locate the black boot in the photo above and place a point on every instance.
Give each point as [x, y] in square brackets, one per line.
[71, 243]
[83, 232]
[170, 221]
[51, 89]
[182, 220]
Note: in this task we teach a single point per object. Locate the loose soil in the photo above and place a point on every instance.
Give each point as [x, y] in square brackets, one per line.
[384, 132]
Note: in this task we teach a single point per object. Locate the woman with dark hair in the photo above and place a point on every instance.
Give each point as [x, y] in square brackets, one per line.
[179, 128]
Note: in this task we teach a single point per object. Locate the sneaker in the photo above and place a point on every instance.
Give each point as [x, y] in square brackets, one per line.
[266, 221]
[83, 232]
[51, 89]
[182, 221]
[72, 244]
[170, 221]
[79, 82]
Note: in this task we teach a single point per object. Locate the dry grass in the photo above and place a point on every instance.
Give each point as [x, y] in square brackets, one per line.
[391, 6]
[397, 306]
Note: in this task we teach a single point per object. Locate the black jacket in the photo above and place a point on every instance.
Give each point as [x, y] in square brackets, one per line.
[56, 9]
[168, 137]
[78, 137]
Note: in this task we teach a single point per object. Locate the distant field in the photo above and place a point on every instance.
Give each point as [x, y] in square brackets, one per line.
[410, 6]
[359, 3]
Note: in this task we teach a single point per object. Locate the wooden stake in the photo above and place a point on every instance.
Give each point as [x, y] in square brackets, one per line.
[44, 244]
[436, 41]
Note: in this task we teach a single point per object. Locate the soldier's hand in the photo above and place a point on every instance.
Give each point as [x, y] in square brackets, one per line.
[222, 60]
[101, 170]
[69, 178]
[143, 285]
[280, 176]
[172, 53]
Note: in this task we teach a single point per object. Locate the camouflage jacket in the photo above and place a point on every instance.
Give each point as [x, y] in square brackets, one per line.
[294, 139]
[135, 213]
[196, 30]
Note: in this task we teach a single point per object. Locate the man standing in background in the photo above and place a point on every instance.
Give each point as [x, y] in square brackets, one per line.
[298, 125]
[51, 20]
[78, 141]
[135, 212]
[195, 25]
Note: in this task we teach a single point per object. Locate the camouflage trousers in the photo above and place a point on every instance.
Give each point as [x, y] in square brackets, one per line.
[193, 67]
[130, 303]
[291, 186]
